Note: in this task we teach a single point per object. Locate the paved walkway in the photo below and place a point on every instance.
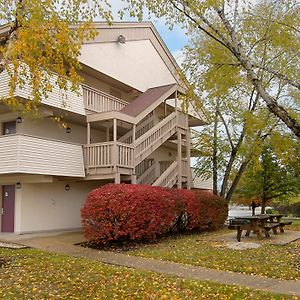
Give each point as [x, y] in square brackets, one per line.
[64, 243]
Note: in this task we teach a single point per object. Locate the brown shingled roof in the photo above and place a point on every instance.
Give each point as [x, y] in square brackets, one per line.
[143, 101]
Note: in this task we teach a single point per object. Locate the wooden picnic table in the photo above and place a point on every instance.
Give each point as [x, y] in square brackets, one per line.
[259, 223]
[256, 224]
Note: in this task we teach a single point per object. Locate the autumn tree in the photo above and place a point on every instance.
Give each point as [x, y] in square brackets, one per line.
[269, 177]
[243, 29]
[40, 42]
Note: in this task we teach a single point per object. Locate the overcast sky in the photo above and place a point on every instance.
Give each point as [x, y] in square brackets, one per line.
[175, 39]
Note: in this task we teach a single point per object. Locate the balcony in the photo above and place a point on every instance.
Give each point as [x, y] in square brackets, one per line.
[34, 155]
[108, 158]
[87, 98]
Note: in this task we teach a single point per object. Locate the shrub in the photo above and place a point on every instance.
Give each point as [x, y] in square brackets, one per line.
[125, 212]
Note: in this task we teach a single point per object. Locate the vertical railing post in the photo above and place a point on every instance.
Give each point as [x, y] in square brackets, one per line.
[133, 176]
[188, 156]
[88, 134]
[115, 149]
[179, 158]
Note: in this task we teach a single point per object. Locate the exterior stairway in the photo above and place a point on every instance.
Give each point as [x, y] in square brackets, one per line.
[121, 157]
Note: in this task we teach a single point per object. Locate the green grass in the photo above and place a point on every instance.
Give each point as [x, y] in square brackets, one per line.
[34, 274]
[295, 225]
[275, 261]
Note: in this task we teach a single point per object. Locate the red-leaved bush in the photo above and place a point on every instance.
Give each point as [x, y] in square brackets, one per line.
[126, 212]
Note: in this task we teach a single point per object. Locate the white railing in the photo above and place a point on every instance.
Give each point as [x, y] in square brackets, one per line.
[148, 177]
[169, 177]
[157, 132]
[98, 155]
[99, 101]
[104, 155]
[141, 128]
[125, 155]
[143, 166]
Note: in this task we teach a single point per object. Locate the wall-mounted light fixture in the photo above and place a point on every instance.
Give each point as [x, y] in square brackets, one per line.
[121, 39]
[19, 120]
[68, 130]
[67, 187]
[18, 185]
[170, 154]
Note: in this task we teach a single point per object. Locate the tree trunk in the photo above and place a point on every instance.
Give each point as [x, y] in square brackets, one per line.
[215, 150]
[227, 172]
[263, 205]
[236, 180]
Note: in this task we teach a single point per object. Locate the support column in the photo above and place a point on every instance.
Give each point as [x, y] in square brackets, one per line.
[115, 149]
[133, 176]
[176, 100]
[117, 178]
[133, 179]
[88, 134]
[179, 158]
[133, 133]
[188, 157]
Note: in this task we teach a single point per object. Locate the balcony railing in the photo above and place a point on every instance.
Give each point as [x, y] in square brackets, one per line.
[98, 101]
[106, 156]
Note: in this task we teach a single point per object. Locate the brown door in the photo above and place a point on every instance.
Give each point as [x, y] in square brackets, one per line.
[8, 208]
[9, 128]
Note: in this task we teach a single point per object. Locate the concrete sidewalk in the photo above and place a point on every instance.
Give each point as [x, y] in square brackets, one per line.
[64, 243]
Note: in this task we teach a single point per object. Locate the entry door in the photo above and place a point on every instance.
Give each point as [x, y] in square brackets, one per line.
[8, 208]
[9, 128]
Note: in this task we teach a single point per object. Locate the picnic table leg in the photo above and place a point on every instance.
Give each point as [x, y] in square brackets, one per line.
[239, 233]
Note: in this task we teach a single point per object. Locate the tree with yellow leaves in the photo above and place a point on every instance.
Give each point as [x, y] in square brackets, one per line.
[40, 42]
[246, 31]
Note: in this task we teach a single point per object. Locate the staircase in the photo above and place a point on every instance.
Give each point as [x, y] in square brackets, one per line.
[127, 156]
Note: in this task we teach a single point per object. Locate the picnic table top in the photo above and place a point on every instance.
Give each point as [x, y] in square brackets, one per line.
[259, 217]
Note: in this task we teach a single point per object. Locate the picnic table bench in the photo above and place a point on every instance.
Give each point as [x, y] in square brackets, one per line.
[258, 223]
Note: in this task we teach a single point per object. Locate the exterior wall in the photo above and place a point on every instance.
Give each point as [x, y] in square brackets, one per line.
[66, 100]
[136, 63]
[34, 155]
[163, 154]
[200, 183]
[49, 129]
[48, 206]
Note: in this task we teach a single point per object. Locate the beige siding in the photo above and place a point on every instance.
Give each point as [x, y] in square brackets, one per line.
[48, 206]
[201, 183]
[135, 63]
[66, 100]
[34, 155]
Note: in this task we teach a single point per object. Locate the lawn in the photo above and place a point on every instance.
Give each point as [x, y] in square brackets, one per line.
[275, 261]
[33, 274]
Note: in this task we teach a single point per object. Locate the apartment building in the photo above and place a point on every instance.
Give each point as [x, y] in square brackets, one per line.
[125, 125]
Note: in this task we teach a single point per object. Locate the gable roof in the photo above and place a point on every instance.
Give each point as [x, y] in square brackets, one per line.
[143, 101]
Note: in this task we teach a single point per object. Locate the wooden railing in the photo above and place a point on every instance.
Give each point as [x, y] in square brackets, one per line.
[149, 175]
[104, 155]
[100, 154]
[99, 101]
[125, 155]
[169, 177]
[164, 165]
[141, 128]
[155, 133]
